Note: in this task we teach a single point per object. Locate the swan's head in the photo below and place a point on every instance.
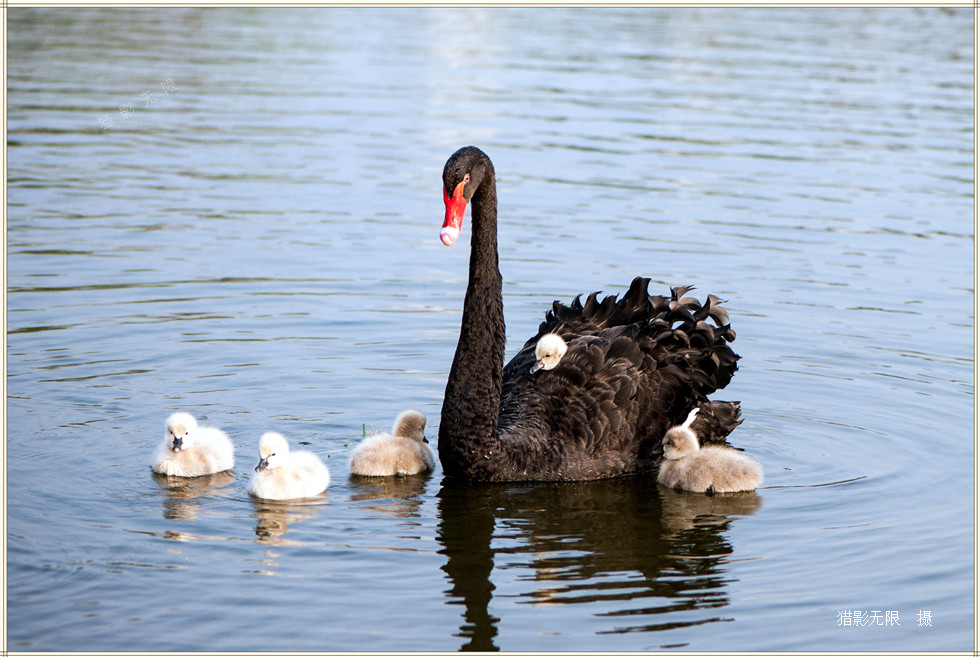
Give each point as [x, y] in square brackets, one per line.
[679, 442]
[180, 431]
[548, 352]
[461, 177]
[273, 451]
[410, 424]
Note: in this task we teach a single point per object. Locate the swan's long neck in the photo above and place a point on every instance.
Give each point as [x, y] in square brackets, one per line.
[468, 430]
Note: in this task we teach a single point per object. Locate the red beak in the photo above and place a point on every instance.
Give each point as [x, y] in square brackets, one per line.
[455, 207]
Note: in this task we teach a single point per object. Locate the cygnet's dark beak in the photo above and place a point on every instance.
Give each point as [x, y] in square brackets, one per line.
[263, 464]
[424, 439]
[178, 444]
[537, 366]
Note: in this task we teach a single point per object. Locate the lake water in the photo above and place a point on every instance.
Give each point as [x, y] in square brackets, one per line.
[235, 212]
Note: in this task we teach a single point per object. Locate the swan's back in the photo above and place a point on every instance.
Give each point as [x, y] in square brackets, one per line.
[308, 473]
[633, 368]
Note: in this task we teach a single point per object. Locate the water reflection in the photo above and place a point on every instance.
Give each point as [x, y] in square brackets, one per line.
[616, 541]
[273, 521]
[273, 518]
[686, 512]
[184, 494]
[263, 246]
[400, 497]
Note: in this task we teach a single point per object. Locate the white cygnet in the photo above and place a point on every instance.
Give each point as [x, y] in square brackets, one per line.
[285, 475]
[190, 450]
[704, 469]
[402, 452]
[548, 352]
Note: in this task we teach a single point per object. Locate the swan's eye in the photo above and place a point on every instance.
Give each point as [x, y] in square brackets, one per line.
[466, 178]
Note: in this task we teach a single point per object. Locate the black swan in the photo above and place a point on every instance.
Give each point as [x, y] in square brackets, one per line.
[634, 367]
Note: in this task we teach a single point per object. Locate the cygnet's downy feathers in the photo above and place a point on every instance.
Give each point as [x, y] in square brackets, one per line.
[286, 475]
[548, 352]
[191, 450]
[704, 469]
[404, 451]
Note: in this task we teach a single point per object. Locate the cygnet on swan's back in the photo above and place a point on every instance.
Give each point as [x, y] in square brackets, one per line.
[402, 452]
[704, 469]
[190, 450]
[548, 352]
[285, 475]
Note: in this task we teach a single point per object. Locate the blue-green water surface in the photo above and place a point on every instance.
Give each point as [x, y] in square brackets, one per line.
[235, 212]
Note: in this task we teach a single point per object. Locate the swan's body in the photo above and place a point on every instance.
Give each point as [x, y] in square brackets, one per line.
[548, 352]
[708, 469]
[190, 450]
[286, 475]
[402, 452]
[632, 368]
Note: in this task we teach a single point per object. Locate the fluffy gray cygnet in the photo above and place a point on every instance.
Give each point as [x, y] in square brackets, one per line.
[704, 469]
[404, 451]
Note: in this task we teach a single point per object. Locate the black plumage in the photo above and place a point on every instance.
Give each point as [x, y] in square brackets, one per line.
[634, 367]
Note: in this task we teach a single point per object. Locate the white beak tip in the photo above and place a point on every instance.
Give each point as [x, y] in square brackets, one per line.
[448, 235]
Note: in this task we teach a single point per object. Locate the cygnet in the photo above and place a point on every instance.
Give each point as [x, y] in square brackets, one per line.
[285, 475]
[704, 469]
[190, 450]
[548, 352]
[402, 452]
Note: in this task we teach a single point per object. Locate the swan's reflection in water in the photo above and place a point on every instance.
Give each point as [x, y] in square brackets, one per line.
[184, 494]
[273, 518]
[273, 521]
[644, 551]
[688, 512]
[400, 497]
